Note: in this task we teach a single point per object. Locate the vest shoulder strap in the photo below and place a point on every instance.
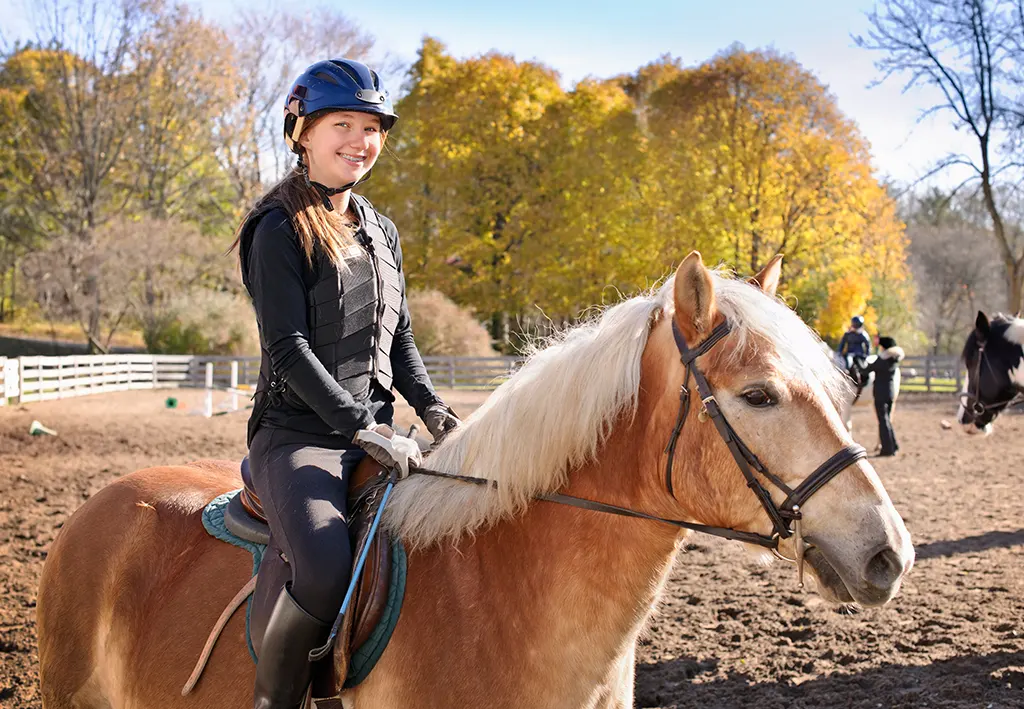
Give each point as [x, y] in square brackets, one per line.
[369, 217]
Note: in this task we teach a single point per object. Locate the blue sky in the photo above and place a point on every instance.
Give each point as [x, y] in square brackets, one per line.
[603, 39]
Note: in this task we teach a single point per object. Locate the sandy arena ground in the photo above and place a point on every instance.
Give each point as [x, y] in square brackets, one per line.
[730, 633]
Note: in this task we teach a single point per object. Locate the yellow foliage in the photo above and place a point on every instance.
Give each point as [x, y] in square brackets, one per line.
[513, 194]
[848, 295]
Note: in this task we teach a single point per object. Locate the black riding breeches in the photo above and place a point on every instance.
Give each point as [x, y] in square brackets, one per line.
[886, 436]
[302, 483]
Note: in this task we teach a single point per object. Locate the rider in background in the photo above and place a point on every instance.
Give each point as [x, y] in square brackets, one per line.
[855, 342]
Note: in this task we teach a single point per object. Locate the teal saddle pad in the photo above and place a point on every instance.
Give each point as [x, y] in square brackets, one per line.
[364, 658]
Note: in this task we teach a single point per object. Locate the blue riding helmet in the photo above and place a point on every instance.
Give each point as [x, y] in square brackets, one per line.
[857, 321]
[335, 85]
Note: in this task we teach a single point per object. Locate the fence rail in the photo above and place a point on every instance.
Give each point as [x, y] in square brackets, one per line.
[9, 380]
[28, 379]
[932, 373]
[470, 372]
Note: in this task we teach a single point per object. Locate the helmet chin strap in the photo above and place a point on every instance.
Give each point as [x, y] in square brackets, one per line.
[327, 192]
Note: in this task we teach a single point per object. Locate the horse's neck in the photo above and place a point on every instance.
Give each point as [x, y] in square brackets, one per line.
[1014, 337]
[576, 585]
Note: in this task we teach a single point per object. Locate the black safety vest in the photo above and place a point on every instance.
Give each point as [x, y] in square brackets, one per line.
[352, 314]
[353, 310]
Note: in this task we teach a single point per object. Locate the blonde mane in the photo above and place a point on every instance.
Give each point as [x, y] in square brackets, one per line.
[554, 413]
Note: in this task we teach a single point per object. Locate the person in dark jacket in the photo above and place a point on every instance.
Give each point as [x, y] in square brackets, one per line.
[886, 368]
[324, 271]
[855, 341]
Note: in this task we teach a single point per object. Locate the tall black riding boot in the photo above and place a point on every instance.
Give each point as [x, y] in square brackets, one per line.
[283, 670]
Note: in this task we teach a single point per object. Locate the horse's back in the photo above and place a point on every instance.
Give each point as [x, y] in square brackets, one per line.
[131, 586]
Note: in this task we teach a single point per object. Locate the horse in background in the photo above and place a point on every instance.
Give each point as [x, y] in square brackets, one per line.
[994, 358]
[511, 599]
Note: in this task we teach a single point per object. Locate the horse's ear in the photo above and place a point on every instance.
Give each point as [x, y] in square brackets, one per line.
[767, 278]
[981, 326]
[694, 298]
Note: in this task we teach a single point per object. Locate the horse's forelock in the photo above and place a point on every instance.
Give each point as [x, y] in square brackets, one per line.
[798, 351]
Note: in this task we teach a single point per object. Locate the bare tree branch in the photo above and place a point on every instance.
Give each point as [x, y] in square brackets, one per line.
[970, 51]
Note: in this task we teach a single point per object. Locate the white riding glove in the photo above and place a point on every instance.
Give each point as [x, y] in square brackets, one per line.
[389, 449]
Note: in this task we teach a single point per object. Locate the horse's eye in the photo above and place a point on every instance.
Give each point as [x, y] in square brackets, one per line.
[758, 398]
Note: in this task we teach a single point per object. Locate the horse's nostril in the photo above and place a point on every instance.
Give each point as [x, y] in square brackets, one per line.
[884, 569]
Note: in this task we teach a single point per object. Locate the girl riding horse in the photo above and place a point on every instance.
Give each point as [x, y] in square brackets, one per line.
[324, 270]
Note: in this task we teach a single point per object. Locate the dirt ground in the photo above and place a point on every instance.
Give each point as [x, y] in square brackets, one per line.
[730, 633]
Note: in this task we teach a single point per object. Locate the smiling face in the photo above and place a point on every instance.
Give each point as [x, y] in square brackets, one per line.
[341, 147]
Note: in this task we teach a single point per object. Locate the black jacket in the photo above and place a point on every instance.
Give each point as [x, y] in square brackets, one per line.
[278, 280]
[855, 342]
[887, 374]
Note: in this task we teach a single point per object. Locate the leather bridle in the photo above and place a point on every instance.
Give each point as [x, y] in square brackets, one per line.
[785, 518]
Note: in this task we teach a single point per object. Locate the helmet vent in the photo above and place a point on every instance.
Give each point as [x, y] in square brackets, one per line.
[348, 70]
[326, 77]
[376, 79]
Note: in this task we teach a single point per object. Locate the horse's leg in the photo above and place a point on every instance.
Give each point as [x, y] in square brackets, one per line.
[130, 590]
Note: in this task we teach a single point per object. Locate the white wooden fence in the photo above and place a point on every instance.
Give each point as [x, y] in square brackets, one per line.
[8, 380]
[933, 374]
[470, 372]
[29, 379]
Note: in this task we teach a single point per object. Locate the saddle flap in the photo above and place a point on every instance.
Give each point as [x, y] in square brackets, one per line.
[372, 593]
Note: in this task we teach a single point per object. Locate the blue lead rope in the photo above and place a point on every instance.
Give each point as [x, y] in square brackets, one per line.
[322, 651]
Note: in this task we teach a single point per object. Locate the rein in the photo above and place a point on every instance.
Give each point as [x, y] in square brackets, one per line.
[785, 518]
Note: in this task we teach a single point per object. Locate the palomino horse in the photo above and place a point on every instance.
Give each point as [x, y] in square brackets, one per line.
[994, 357]
[513, 601]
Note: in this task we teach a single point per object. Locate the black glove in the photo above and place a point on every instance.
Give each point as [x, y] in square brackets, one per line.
[440, 421]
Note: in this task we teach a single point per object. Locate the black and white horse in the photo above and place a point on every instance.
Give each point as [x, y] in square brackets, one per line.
[994, 357]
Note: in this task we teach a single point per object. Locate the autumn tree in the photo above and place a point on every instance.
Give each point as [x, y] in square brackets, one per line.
[954, 261]
[170, 166]
[538, 202]
[754, 158]
[77, 108]
[586, 204]
[467, 148]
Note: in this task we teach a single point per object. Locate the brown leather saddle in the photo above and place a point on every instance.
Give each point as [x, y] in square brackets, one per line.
[244, 517]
